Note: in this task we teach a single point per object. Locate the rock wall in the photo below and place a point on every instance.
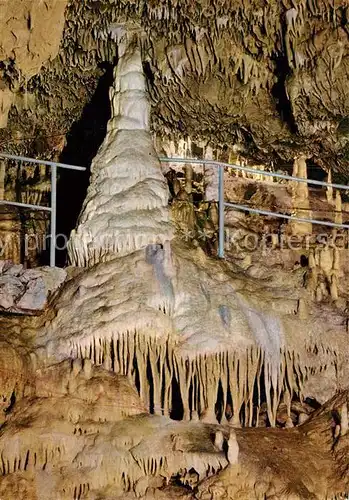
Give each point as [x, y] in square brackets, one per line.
[30, 35]
[149, 330]
[261, 88]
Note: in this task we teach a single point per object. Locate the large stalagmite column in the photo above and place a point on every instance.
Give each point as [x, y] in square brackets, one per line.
[300, 199]
[126, 203]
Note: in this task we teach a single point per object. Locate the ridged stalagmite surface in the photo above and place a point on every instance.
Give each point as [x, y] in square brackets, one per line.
[134, 381]
[126, 204]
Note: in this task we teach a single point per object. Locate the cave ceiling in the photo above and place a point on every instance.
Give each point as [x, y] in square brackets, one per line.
[268, 76]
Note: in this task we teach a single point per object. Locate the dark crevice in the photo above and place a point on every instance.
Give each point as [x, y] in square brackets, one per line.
[148, 73]
[304, 261]
[282, 103]
[220, 403]
[151, 386]
[177, 410]
[83, 141]
[12, 403]
[316, 173]
[112, 355]
[282, 71]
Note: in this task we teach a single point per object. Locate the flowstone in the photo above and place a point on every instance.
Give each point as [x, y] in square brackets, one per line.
[198, 338]
[84, 434]
[153, 352]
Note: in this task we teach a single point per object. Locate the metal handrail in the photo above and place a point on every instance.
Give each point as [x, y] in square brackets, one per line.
[53, 208]
[41, 162]
[26, 205]
[253, 171]
[284, 216]
[222, 204]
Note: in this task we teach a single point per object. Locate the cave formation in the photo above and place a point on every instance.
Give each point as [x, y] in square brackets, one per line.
[143, 366]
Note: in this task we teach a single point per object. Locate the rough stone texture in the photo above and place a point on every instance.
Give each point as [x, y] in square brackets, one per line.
[30, 35]
[152, 331]
[84, 432]
[268, 77]
[176, 299]
[27, 291]
[31, 32]
[6, 99]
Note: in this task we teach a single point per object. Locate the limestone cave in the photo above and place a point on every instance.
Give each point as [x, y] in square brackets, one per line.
[174, 306]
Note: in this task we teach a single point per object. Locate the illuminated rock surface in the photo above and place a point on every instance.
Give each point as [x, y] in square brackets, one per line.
[158, 371]
[27, 291]
[126, 204]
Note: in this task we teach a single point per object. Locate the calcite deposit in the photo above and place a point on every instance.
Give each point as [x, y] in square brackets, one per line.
[30, 35]
[126, 204]
[149, 368]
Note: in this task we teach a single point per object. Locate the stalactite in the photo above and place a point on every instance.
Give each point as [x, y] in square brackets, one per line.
[199, 380]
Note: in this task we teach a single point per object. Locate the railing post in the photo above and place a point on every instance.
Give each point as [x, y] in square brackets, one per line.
[53, 208]
[53, 215]
[221, 212]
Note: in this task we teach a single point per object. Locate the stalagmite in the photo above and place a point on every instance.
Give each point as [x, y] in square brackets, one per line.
[302, 418]
[214, 214]
[2, 179]
[289, 423]
[334, 288]
[329, 189]
[344, 419]
[6, 100]
[188, 178]
[302, 309]
[87, 367]
[233, 448]
[300, 198]
[126, 204]
[211, 177]
[338, 218]
[326, 261]
[219, 440]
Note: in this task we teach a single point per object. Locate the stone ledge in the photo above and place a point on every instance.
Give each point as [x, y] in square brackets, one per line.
[27, 291]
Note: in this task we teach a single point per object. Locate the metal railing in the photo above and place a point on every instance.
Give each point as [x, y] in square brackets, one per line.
[53, 208]
[222, 204]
